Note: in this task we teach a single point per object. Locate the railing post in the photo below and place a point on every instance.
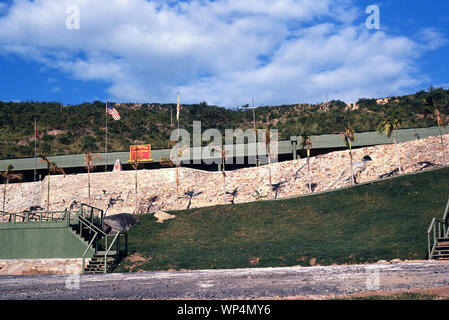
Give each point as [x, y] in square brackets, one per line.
[446, 210]
[118, 245]
[126, 244]
[434, 233]
[106, 257]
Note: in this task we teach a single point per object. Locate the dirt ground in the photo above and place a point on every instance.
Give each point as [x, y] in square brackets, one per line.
[429, 277]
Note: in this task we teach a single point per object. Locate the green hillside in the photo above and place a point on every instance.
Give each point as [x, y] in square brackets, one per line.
[383, 220]
[80, 128]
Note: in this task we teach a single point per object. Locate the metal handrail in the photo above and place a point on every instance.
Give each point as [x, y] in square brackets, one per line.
[91, 225]
[443, 231]
[92, 214]
[108, 246]
[89, 245]
[446, 211]
[109, 249]
[37, 216]
[3, 215]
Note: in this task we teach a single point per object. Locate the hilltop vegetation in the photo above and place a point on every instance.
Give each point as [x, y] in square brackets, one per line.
[81, 128]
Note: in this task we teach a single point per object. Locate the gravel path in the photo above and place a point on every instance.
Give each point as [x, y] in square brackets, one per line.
[298, 282]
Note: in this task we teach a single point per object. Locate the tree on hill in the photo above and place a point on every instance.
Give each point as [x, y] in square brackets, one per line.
[8, 176]
[392, 121]
[267, 142]
[177, 160]
[52, 167]
[222, 151]
[437, 117]
[89, 161]
[349, 137]
[306, 143]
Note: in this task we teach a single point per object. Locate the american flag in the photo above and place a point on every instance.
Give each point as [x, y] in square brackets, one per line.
[112, 111]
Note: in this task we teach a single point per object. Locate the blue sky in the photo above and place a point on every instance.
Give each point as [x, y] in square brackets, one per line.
[223, 52]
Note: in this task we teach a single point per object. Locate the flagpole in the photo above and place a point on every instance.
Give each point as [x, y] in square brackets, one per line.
[178, 115]
[178, 161]
[106, 142]
[35, 147]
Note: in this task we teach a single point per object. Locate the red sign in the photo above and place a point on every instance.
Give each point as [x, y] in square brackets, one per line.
[141, 152]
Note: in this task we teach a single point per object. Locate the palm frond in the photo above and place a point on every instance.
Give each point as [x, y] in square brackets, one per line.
[89, 160]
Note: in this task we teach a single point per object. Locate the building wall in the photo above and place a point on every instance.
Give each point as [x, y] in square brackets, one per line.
[39, 240]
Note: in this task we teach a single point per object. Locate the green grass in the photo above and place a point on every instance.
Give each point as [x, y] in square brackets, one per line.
[384, 220]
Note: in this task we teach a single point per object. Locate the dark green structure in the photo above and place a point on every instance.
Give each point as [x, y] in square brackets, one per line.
[64, 234]
[34, 240]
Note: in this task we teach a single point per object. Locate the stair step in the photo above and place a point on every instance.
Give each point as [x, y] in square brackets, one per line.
[100, 262]
[102, 253]
[441, 256]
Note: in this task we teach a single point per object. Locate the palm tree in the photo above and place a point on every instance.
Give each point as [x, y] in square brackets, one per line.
[52, 167]
[7, 175]
[177, 161]
[267, 142]
[89, 160]
[222, 151]
[306, 143]
[136, 164]
[441, 123]
[392, 122]
[436, 115]
[348, 137]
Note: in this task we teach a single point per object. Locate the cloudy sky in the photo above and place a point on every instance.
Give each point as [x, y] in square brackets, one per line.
[223, 51]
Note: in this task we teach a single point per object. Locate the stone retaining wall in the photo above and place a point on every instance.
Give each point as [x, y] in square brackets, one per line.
[40, 266]
[157, 188]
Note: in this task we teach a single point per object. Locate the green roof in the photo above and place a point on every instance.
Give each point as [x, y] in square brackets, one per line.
[284, 147]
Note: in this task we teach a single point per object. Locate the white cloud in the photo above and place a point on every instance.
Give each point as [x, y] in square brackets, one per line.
[224, 52]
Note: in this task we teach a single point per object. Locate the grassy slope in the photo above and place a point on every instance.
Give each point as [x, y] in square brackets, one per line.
[385, 220]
